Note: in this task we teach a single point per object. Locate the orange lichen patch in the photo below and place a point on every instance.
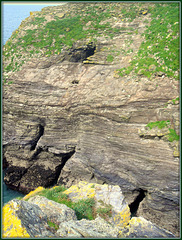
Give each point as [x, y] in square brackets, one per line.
[122, 218]
[33, 193]
[12, 226]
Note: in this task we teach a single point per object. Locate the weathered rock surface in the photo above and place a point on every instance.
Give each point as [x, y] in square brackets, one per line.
[23, 219]
[32, 218]
[88, 229]
[105, 195]
[55, 212]
[139, 227]
[56, 109]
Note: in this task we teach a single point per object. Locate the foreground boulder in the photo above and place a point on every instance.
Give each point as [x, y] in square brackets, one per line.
[105, 195]
[139, 227]
[23, 219]
[41, 217]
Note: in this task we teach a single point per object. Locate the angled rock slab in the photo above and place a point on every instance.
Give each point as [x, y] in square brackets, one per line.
[139, 227]
[54, 211]
[24, 219]
[85, 228]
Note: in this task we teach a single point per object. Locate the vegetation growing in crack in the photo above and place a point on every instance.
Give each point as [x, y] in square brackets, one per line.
[82, 208]
[172, 135]
[159, 52]
[53, 225]
[159, 124]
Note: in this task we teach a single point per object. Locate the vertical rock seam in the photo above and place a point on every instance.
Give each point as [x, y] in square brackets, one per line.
[135, 204]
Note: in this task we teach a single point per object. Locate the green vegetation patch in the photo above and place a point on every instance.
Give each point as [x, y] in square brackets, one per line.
[159, 124]
[83, 208]
[173, 136]
[53, 225]
[110, 58]
[159, 52]
[50, 38]
[105, 212]
[175, 100]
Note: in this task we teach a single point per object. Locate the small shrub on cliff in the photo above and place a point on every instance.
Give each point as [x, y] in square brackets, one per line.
[84, 208]
[53, 225]
[105, 212]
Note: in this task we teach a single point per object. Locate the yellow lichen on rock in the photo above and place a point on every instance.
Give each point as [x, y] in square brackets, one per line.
[33, 193]
[82, 190]
[122, 218]
[12, 226]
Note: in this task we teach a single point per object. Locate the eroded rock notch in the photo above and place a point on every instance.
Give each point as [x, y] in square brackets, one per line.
[135, 204]
[81, 53]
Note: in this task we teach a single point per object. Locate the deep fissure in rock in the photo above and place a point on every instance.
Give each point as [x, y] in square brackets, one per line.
[135, 204]
[65, 158]
[41, 133]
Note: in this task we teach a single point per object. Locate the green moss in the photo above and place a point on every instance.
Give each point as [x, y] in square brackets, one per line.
[53, 225]
[159, 124]
[173, 136]
[110, 58]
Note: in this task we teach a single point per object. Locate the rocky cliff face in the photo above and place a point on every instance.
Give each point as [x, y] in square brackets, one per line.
[70, 116]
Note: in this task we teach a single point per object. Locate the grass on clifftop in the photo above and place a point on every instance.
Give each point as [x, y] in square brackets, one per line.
[159, 53]
[37, 38]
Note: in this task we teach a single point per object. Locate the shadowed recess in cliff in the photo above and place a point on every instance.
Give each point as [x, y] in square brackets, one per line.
[82, 53]
[65, 158]
[40, 134]
[135, 204]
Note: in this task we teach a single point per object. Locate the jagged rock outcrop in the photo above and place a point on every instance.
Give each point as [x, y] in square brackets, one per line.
[32, 218]
[67, 119]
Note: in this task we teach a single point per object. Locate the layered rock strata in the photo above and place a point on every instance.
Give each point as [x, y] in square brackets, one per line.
[67, 119]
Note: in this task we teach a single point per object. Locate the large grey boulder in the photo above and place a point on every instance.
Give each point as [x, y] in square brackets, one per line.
[54, 211]
[87, 229]
[24, 219]
[139, 227]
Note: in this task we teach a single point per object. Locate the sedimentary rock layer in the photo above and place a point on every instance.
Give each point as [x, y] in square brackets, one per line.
[66, 121]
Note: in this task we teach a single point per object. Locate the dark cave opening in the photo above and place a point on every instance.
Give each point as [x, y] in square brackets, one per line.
[65, 158]
[81, 54]
[135, 204]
